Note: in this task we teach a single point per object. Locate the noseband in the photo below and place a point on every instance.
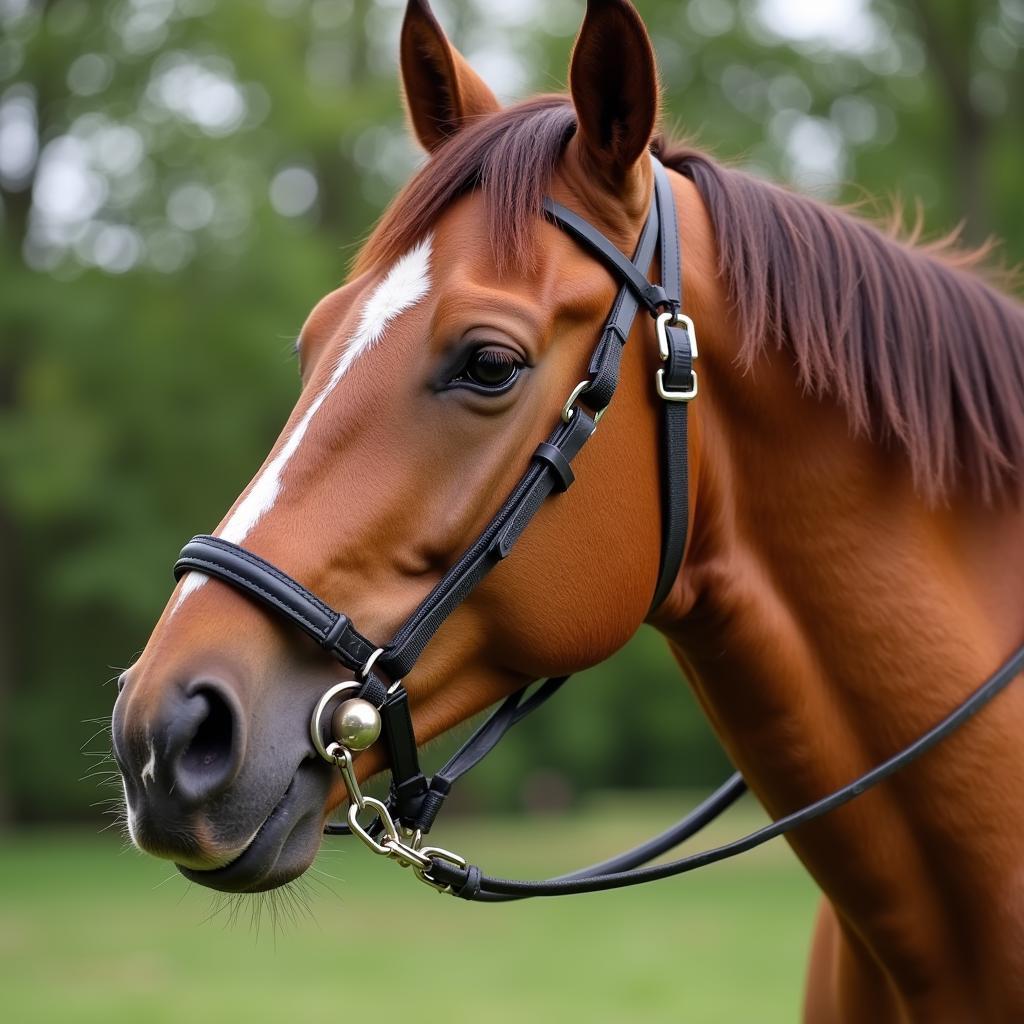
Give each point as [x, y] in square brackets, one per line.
[377, 703]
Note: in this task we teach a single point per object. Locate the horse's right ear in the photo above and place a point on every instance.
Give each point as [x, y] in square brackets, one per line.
[614, 86]
[442, 92]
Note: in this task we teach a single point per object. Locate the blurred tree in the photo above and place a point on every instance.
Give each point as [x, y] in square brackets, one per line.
[181, 179]
[969, 77]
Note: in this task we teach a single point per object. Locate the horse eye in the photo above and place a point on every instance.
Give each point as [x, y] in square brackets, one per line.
[490, 369]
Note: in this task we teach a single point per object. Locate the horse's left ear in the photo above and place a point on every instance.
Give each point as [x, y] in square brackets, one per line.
[613, 79]
[442, 92]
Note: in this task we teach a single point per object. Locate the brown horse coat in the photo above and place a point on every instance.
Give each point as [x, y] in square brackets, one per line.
[856, 558]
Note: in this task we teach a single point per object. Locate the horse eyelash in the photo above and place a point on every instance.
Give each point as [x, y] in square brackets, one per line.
[494, 355]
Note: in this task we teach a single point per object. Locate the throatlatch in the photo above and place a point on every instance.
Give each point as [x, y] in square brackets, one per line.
[376, 704]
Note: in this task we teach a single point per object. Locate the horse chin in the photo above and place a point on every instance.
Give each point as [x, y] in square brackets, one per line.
[281, 848]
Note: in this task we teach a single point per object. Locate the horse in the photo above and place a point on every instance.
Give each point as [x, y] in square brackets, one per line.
[853, 563]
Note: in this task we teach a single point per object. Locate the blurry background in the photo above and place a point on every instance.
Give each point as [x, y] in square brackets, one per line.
[180, 180]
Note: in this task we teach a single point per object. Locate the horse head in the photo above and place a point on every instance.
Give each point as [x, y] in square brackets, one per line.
[428, 380]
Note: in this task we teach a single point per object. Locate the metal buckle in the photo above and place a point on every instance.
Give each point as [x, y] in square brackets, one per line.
[568, 411]
[675, 396]
[433, 853]
[676, 319]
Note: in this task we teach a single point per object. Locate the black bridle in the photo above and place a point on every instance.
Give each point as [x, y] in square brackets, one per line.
[414, 799]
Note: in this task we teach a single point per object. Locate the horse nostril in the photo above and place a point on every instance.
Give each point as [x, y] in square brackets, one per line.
[210, 741]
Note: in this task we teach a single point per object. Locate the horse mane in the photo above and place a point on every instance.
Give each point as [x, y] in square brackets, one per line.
[916, 348]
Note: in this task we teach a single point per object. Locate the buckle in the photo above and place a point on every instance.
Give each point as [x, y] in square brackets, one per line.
[664, 321]
[568, 410]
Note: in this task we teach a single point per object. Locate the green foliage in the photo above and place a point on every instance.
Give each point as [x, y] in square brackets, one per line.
[185, 178]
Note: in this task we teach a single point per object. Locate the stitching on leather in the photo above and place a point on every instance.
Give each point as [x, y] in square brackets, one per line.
[215, 569]
[351, 643]
[247, 556]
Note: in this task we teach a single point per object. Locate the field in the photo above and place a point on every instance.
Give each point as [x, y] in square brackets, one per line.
[89, 933]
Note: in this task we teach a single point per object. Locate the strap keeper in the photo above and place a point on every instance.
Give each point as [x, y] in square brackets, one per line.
[408, 796]
[333, 636]
[553, 456]
[655, 298]
[374, 690]
[467, 881]
[430, 804]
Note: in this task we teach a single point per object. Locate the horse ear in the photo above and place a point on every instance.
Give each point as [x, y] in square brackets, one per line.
[613, 79]
[442, 92]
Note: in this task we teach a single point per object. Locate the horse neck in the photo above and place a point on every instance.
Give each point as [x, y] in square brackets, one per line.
[827, 617]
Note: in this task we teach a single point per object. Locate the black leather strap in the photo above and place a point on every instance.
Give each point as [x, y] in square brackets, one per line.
[677, 375]
[471, 883]
[652, 296]
[703, 814]
[509, 713]
[493, 545]
[269, 586]
[607, 357]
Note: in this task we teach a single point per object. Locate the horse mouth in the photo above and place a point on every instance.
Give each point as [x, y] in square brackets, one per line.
[280, 849]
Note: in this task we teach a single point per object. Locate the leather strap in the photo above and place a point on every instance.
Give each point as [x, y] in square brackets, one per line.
[274, 589]
[509, 713]
[652, 296]
[471, 883]
[677, 376]
[607, 358]
[491, 547]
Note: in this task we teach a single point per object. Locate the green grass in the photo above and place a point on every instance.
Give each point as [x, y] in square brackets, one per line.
[89, 933]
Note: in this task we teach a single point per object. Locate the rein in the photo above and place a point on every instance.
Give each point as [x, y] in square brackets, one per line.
[377, 703]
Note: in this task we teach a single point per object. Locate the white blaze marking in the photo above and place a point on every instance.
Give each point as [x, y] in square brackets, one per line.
[149, 768]
[405, 284]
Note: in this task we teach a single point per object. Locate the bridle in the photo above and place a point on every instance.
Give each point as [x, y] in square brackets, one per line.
[376, 703]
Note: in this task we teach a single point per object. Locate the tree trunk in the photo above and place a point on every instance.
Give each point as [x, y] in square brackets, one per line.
[948, 36]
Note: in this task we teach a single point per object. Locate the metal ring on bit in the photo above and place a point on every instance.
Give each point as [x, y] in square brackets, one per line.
[315, 733]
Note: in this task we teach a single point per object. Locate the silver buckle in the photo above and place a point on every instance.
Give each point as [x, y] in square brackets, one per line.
[661, 327]
[568, 410]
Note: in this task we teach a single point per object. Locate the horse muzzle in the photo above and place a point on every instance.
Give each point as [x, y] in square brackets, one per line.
[232, 812]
